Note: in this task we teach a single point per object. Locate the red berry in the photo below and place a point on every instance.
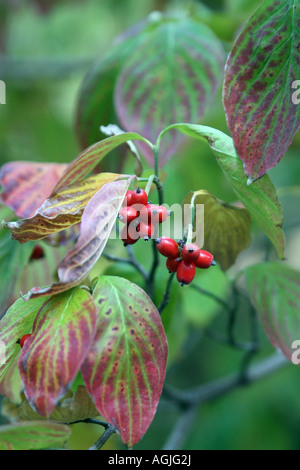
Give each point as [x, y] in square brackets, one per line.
[145, 213]
[205, 260]
[139, 196]
[160, 214]
[185, 272]
[23, 339]
[129, 235]
[190, 252]
[146, 231]
[172, 264]
[127, 199]
[37, 252]
[127, 214]
[167, 247]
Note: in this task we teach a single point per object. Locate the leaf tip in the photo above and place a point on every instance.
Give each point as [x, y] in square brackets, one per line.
[250, 180]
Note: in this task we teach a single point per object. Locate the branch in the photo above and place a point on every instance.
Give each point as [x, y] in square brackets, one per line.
[109, 431]
[37, 69]
[130, 260]
[220, 387]
[190, 400]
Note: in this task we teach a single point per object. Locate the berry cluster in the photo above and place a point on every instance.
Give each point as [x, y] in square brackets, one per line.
[140, 217]
[183, 259]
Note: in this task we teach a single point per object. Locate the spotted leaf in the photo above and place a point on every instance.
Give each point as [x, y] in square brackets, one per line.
[125, 368]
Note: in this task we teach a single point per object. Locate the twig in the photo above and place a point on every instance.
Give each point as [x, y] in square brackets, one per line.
[109, 431]
[155, 264]
[130, 260]
[220, 387]
[37, 69]
[166, 297]
[190, 400]
[90, 421]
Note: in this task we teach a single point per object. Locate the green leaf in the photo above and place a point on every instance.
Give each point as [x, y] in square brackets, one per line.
[226, 227]
[274, 289]
[17, 322]
[259, 198]
[258, 86]
[33, 435]
[124, 370]
[90, 157]
[51, 357]
[97, 222]
[13, 259]
[61, 210]
[74, 406]
[171, 75]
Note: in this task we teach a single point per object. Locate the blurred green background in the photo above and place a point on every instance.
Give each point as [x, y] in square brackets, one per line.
[46, 49]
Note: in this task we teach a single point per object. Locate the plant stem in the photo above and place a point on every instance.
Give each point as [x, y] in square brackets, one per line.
[130, 260]
[109, 431]
[156, 152]
[166, 297]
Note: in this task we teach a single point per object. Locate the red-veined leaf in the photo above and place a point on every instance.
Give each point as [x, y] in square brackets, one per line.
[26, 185]
[51, 357]
[62, 210]
[275, 292]
[171, 76]
[31, 435]
[125, 368]
[258, 86]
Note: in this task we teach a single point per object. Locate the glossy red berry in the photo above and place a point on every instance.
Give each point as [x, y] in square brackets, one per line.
[190, 252]
[145, 212]
[160, 214]
[37, 253]
[127, 198]
[22, 340]
[185, 272]
[167, 247]
[129, 235]
[139, 196]
[146, 231]
[205, 260]
[172, 264]
[127, 214]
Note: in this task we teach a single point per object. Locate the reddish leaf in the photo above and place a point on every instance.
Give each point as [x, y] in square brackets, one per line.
[96, 224]
[26, 185]
[125, 368]
[171, 76]
[51, 357]
[258, 87]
